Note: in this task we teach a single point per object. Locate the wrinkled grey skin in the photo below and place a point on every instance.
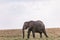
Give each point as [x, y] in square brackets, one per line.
[34, 26]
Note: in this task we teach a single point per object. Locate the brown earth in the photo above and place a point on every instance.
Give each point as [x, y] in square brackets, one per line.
[54, 32]
[12, 32]
[18, 32]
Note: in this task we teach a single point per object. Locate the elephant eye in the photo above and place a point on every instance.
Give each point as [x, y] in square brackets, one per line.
[25, 25]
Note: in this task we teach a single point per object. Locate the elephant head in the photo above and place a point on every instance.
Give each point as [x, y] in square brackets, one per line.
[26, 25]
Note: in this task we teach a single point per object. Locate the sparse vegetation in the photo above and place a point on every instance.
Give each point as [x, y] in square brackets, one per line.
[53, 33]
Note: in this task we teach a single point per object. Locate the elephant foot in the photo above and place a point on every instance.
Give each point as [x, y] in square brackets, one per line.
[27, 39]
[47, 36]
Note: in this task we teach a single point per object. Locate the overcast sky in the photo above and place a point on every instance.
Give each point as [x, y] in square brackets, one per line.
[13, 13]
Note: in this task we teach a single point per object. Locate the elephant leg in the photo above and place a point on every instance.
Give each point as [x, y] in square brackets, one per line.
[40, 34]
[28, 33]
[45, 33]
[33, 34]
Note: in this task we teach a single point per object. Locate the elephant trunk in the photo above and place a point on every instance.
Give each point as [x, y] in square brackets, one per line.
[23, 32]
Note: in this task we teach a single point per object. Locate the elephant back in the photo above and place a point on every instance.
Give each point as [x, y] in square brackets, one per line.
[40, 23]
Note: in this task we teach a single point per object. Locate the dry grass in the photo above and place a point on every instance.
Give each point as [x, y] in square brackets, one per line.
[16, 34]
[53, 33]
[13, 34]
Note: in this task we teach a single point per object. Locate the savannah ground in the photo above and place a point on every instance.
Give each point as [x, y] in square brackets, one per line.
[16, 34]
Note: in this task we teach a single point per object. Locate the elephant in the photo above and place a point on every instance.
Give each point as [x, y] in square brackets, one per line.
[34, 27]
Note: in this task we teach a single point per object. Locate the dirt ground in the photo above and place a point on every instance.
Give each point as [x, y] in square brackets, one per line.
[16, 34]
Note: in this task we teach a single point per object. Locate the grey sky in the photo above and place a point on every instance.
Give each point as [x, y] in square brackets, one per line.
[13, 13]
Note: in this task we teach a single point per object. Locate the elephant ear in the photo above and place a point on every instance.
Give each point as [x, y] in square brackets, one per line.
[31, 24]
[26, 24]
